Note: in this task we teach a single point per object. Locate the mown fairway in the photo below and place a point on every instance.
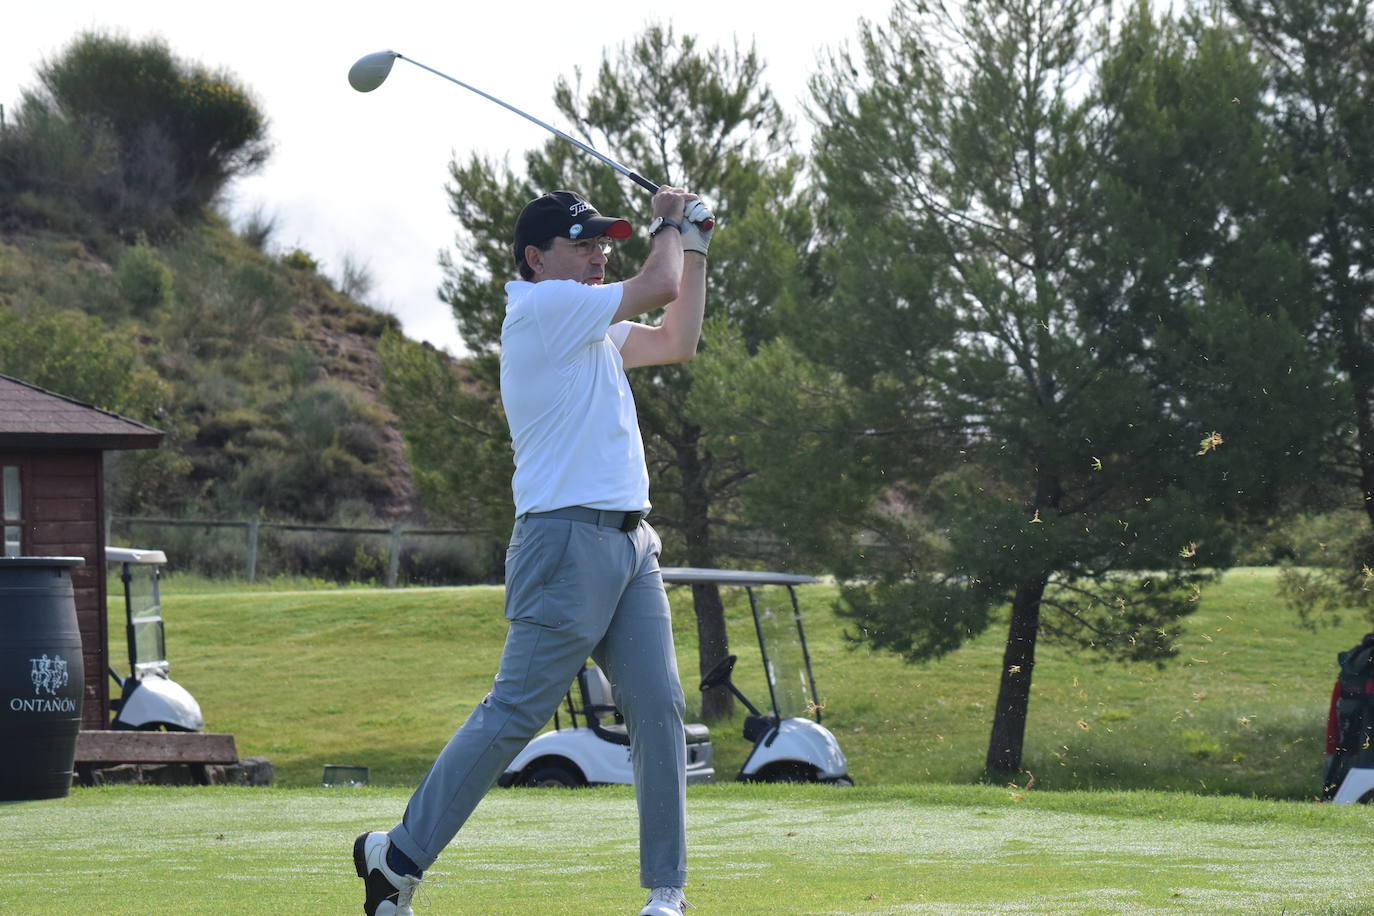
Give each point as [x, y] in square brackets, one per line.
[755, 851]
[381, 678]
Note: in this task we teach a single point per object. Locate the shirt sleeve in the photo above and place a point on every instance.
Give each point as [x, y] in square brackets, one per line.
[572, 315]
[619, 333]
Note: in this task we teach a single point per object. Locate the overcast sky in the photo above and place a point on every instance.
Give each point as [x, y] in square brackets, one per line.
[362, 176]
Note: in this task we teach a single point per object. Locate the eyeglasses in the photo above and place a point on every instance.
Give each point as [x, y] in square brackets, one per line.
[587, 247]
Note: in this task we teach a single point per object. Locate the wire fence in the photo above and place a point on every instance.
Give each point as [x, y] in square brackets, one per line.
[253, 548]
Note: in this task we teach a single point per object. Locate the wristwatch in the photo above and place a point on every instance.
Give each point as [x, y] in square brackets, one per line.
[661, 223]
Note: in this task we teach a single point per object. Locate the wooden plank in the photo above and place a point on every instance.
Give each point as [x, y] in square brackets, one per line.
[47, 465]
[65, 509]
[47, 533]
[83, 487]
[111, 747]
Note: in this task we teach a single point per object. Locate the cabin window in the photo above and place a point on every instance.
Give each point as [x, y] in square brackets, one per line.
[12, 510]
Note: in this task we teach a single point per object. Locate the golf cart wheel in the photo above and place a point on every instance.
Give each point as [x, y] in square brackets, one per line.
[844, 782]
[553, 776]
[787, 771]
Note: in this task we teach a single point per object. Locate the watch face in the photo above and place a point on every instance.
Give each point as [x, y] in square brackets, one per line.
[656, 225]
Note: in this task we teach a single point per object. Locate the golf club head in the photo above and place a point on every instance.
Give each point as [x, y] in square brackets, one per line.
[371, 70]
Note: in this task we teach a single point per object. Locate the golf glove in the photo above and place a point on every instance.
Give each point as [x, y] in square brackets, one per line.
[694, 238]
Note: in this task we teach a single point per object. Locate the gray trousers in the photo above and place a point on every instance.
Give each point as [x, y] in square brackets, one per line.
[573, 590]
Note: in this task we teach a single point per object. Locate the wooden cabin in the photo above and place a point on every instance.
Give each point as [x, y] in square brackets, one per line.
[52, 504]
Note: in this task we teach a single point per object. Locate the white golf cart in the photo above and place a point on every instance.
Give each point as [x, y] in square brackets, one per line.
[789, 745]
[597, 752]
[149, 699]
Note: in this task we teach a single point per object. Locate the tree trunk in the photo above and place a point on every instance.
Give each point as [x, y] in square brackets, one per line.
[713, 642]
[1013, 696]
[713, 645]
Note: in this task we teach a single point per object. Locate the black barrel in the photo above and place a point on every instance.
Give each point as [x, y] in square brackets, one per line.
[42, 677]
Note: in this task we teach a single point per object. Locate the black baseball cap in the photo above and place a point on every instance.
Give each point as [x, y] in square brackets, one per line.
[565, 214]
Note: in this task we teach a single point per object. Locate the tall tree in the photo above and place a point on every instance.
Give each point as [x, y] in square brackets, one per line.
[1320, 67]
[700, 118]
[1050, 285]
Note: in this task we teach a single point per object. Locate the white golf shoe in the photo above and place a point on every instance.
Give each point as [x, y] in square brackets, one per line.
[665, 901]
[388, 894]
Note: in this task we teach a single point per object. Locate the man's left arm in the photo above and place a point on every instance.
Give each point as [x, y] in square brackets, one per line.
[675, 339]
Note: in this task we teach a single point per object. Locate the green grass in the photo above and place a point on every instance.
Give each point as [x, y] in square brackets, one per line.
[381, 678]
[754, 850]
[307, 676]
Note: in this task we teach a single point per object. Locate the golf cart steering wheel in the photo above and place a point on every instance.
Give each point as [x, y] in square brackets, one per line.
[720, 673]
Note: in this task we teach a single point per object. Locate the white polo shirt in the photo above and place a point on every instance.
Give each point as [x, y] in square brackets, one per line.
[571, 413]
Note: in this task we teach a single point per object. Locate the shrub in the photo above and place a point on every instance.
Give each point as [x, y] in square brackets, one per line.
[30, 208]
[201, 126]
[81, 357]
[329, 454]
[296, 259]
[368, 323]
[258, 227]
[143, 279]
[355, 278]
[54, 170]
[131, 131]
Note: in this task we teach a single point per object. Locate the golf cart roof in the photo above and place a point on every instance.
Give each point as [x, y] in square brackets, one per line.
[687, 575]
[133, 555]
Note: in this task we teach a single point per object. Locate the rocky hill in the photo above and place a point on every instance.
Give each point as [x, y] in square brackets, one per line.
[265, 377]
[120, 285]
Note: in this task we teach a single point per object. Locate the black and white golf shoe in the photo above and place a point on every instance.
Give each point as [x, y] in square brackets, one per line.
[665, 901]
[388, 894]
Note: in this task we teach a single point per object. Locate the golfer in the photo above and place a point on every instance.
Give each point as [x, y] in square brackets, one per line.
[582, 576]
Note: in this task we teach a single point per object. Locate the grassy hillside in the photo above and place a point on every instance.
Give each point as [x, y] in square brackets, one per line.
[381, 678]
[263, 375]
[122, 286]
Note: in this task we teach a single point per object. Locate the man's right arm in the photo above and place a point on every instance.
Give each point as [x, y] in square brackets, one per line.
[658, 280]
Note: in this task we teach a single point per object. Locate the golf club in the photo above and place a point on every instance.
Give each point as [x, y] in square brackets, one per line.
[371, 71]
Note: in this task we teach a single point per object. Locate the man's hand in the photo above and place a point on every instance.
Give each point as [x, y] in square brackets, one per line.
[694, 237]
[669, 202]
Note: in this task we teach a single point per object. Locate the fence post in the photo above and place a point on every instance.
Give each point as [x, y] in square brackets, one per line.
[252, 548]
[393, 560]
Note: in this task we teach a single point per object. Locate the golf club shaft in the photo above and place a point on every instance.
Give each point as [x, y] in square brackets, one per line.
[628, 173]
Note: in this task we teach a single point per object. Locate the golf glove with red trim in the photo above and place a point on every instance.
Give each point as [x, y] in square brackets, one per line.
[694, 238]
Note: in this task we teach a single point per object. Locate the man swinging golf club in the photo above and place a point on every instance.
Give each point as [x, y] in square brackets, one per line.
[582, 575]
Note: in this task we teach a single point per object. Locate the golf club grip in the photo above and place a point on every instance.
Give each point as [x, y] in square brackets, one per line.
[643, 182]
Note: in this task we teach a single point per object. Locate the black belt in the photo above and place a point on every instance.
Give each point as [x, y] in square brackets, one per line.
[623, 521]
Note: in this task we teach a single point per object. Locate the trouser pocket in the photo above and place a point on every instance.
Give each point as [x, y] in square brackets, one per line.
[538, 569]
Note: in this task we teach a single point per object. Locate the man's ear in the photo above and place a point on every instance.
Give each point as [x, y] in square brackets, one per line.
[534, 257]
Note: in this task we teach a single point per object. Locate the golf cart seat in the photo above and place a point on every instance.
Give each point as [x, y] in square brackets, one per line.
[598, 703]
[598, 706]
